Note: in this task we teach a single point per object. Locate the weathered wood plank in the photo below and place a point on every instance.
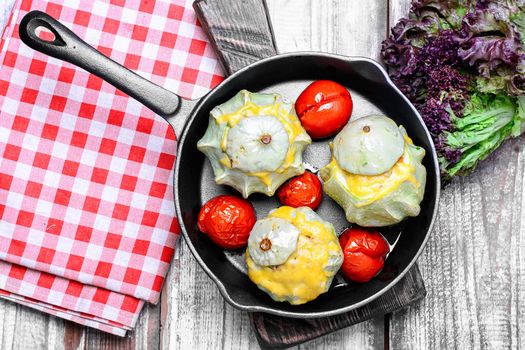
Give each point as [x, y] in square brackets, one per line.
[195, 314]
[474, 262]
[5, 11]
[24, 328]
[145, 336]
[353, 28]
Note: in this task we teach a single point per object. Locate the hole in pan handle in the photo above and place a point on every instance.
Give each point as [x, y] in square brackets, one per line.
[67, 46]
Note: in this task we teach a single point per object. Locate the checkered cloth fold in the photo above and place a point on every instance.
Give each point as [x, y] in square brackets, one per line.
[88, 305]
[87, 225]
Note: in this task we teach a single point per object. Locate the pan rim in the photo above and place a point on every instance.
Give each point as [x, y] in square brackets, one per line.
[272, 310]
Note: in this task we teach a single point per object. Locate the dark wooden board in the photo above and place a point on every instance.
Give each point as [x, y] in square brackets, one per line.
[275, 332]
[240, 34]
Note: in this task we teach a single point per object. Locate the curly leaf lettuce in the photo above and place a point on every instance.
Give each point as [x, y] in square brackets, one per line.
[462, 64]
[519, 117]
[487, 119]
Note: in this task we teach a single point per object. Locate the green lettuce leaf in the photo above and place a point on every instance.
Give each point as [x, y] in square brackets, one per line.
[487, 120]
[519, 117]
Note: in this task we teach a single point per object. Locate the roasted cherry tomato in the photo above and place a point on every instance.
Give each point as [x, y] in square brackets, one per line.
[301, 191]
[364, 254]
[227, 220]
[324, 107]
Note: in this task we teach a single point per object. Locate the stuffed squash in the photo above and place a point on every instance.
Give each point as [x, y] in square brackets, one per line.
[375, 174]
[254, 142]
[293, 254]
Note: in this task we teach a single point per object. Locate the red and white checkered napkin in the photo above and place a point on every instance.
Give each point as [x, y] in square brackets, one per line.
[85, 304]
[87, 226]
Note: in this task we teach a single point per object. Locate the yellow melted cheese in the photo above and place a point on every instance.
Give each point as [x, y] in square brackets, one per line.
[291, 125]
[226, 161]
[264, 176]
[371, 188]
[303, 277]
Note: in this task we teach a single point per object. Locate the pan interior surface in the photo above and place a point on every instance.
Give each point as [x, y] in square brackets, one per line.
[288, 75]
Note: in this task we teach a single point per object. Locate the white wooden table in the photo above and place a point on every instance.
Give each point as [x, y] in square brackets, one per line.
[473, 264]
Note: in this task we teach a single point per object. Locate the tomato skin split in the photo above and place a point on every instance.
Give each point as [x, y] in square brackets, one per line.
[323, 108]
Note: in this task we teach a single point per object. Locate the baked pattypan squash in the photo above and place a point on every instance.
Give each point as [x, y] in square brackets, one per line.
[375, 174]
[293, 254]
[254, 142]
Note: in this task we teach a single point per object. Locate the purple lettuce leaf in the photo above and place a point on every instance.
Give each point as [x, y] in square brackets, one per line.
[451, 11]
[441, 50]
[448, 52]
[501, 9]
[491, 43]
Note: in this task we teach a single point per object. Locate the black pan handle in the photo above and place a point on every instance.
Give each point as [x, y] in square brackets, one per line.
[69, 47]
